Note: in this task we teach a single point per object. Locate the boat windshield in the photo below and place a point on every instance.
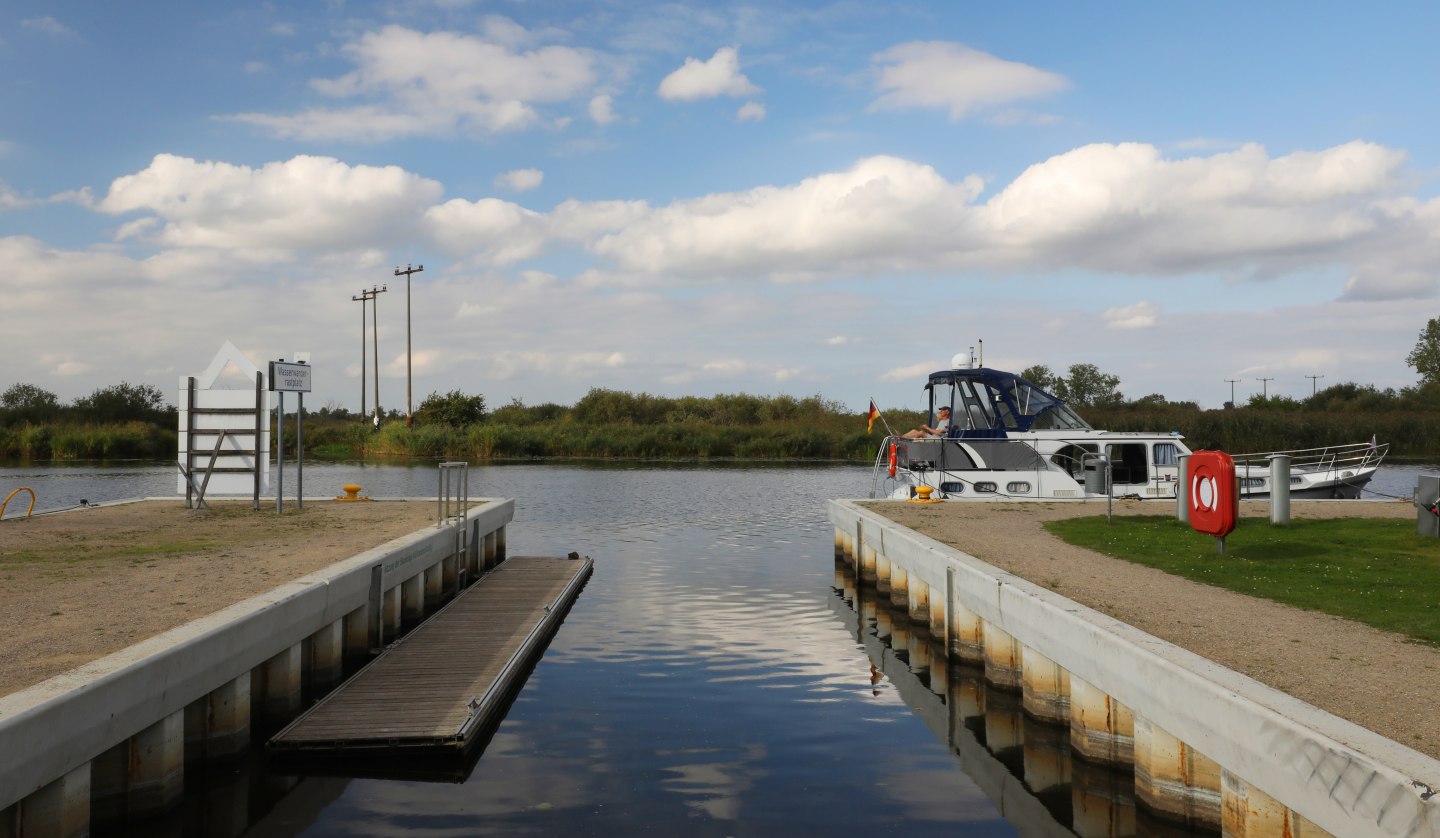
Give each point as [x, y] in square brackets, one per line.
[990, 400]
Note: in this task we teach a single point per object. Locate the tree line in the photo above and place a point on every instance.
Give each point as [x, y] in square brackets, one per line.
[134, 421]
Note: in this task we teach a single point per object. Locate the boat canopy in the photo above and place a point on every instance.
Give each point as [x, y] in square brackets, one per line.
[987, 402]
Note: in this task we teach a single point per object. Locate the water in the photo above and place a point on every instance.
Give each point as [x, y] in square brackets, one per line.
[708, 680]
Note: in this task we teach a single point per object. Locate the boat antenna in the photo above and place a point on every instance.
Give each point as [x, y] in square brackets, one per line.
[982, 351]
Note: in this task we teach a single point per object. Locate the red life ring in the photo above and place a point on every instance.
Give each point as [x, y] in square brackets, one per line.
[893, 459]
[1214, 504]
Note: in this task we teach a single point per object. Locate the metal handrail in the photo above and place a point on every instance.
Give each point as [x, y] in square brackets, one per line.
[1330, 458]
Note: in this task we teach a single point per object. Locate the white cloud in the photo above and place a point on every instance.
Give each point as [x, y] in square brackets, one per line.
[500, 232]
[438, 83]
[956, 78]
[305, 203]
[519, 180]
[913, 372]
[1109, 209]
[47, 25]
[1141, 315]
[602, 109]
[254, 68]
[696, 79]
[837, 340]
[881, 212]
[750, 112]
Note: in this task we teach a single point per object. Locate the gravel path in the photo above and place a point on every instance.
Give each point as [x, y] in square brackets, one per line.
[76, 586]
[1375, 679]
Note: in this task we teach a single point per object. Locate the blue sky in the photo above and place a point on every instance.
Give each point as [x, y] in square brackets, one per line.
[796, 198]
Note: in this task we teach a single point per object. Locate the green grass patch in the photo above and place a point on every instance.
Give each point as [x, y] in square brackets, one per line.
[1374, 571]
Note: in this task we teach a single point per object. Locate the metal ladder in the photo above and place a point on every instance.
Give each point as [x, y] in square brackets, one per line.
[452, 507]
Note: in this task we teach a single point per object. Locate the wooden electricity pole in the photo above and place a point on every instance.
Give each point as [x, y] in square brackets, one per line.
[409, 372]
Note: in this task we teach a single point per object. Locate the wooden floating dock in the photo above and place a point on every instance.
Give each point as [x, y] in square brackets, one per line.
[435, 690]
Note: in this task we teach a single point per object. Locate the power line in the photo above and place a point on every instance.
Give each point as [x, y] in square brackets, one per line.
[1232, 381]
[1265, 387]
[1312, 383]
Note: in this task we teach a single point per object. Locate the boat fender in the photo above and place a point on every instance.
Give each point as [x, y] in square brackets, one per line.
[893, 459]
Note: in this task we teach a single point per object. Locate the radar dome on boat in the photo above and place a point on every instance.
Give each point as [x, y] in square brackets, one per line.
[961, 361]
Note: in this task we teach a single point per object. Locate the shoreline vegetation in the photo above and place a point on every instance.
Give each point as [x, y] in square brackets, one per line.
[130, 422]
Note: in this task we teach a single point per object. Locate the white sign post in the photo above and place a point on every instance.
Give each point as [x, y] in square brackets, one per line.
[290, 378]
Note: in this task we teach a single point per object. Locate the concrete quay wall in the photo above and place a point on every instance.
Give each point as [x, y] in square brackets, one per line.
[1208, 744]
[195, 688]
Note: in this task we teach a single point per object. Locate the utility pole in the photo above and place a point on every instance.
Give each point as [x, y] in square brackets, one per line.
[1231, 382]
[1264, 387]
[375, 336]
[365, 296]
[409, 376]
[1312, 383]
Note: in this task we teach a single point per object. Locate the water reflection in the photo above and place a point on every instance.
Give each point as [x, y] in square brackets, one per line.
[1024, 766]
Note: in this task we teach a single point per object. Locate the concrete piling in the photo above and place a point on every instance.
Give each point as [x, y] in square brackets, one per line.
[1045, 687]
[1174, 781]
[1102, 730]
[1003, 659]
[141, 778]
[390, 610]
[60, 807]
[357, 636]
[217, 725]
[326, 665]
[899, 586]
[412, 601]
[275, 689]
[919, 602]
[1248, 812]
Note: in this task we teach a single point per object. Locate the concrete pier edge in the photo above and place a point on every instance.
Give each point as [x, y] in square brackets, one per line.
[1344, 778]
[57, 726]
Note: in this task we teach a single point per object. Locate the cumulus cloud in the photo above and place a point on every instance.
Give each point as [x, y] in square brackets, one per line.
[1141, 315]
[696, 79]
[602, 109]
[883, 211]
[438, 83]
[956, 78]
[519, 180]
[500, 232]
[305, 203]
[750, 112]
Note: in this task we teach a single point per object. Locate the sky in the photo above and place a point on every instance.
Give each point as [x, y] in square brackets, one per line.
[831, 198]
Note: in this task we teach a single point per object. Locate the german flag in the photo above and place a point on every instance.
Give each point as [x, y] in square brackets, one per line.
[870, 417]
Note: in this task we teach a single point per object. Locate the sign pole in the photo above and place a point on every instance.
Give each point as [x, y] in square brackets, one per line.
[280, 455]
[300, 453]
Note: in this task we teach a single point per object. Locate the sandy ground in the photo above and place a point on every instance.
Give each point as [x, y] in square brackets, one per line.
[1375, 679]
[76, 586]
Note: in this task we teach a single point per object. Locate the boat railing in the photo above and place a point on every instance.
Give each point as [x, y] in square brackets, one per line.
[1331, 458]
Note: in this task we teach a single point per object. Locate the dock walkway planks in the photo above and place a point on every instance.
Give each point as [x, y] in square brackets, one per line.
[446, 680]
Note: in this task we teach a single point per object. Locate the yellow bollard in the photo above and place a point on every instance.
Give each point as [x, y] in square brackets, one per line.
[352, 492]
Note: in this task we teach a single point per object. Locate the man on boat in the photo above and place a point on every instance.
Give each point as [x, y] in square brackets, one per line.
[941, 426]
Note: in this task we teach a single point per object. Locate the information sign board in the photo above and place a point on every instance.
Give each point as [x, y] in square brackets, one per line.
[289, 378]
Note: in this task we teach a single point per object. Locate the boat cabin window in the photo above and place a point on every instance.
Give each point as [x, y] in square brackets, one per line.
[978, 413]
[1128, 463]
[1167, 454]
[1068, 458]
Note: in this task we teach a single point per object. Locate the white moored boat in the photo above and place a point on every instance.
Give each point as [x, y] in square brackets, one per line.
[1010, 440]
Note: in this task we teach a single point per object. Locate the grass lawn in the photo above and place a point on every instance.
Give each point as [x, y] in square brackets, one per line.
[1371, 570]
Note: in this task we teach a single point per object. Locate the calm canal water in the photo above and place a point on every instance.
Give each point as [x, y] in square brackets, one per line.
[710, 680]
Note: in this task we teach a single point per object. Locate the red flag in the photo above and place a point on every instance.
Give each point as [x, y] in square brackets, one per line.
[870, 418]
